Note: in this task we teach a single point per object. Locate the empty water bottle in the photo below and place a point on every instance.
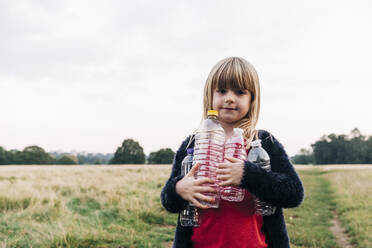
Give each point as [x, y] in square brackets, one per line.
[187, 162]
[234, 147]
[209, 151]
[189, 216]
[259, 156]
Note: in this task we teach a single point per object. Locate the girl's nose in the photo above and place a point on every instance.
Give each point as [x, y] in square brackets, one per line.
[229, 97]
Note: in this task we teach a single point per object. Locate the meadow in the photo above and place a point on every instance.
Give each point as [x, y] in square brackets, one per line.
[119, 206]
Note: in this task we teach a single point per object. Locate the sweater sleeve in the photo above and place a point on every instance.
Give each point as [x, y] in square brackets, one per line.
[281, 186]
[170, 200]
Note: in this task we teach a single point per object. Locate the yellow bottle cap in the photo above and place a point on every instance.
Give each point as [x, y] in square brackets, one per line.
[212, 112]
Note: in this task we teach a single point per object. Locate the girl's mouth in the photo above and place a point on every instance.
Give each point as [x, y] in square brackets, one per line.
[229, 108]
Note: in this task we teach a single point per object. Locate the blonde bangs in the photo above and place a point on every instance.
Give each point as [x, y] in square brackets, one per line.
[233, 74]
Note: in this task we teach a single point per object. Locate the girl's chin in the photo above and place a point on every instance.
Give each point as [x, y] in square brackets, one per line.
[227, 116]
[228, 120]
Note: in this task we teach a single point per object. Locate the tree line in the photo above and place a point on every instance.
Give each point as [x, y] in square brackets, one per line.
[354, 148]
[37, 155]
[130, 152]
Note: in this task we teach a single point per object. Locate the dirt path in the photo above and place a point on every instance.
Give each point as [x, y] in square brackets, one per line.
[342, 239]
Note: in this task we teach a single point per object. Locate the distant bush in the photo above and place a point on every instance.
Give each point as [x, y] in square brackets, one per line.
[163, 156]
[67, 159]
[304, 157]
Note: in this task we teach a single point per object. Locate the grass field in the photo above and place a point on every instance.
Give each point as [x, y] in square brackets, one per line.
[353, 197]
[119, 206]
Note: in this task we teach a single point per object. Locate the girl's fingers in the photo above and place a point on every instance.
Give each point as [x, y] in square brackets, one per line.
[204, 180]
[222, 165]
[222, 171]
[225, 183]
[223, 177]
[194, 170]
[202, 197]
[233, 160]
[206, 189]
[198, 204]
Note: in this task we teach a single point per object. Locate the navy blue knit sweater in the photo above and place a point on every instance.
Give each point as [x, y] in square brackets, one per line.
[281, 188]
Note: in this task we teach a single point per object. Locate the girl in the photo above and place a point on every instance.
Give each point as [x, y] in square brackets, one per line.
[233, 89]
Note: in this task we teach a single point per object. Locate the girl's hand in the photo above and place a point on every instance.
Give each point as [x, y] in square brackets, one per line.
[230, 173]
[191, 189]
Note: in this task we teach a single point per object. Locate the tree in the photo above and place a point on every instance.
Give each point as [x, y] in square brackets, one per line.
[14, 157]
[355, 133]
[163, 156]
[343, 149]
[67, 159]
[324, 151]
[304, 157]
[357, 147]
[35, 155]
[130, 152]
[3, 158]
[368, 150]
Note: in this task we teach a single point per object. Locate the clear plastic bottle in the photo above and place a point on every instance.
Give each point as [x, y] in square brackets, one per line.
[234, 147]
[189, 216]
[259, 156]
[209, 151]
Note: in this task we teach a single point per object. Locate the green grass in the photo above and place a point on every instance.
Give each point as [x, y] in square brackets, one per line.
[7, 204]
[91, 226]
[308, 225]
[119, 206]
[353, 190]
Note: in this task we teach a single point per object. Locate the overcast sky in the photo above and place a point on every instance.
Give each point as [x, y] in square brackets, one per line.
[85, 75]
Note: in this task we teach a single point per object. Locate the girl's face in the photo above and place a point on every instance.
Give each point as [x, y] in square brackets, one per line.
[232, 105]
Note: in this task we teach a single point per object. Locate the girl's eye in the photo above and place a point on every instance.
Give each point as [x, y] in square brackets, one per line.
[221, 91]
[240, 92]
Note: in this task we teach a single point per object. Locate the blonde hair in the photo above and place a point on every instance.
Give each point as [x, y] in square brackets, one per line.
[236, 73]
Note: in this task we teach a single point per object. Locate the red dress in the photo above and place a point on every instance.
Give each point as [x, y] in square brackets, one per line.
[232, 225]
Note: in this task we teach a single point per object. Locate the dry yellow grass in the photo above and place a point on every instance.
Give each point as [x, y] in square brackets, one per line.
[353, 194]
[61, 201]
[335, 167]
[111, 184]
[113, 206]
